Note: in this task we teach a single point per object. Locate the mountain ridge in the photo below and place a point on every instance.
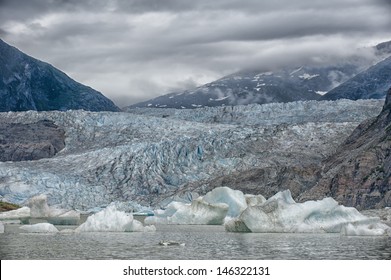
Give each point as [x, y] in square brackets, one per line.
[30, 84]
[306, 82]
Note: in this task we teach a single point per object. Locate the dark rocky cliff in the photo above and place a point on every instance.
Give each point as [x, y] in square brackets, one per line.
[359, 173]
[19, 142]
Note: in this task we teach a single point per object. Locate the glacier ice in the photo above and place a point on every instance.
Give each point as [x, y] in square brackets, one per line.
[128, 157]
[212, 209]
[23, 212]
[281, 213]
[40, 228]
[235, 200]
[198, 212]
[112, 220]
[38, 206]
[375, 228]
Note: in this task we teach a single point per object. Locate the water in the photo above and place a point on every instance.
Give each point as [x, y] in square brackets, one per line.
[202, 242]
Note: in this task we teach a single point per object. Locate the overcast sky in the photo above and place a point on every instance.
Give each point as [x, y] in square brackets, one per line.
[133, 50]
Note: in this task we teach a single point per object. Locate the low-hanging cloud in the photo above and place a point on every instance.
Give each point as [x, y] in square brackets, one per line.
[133, 50]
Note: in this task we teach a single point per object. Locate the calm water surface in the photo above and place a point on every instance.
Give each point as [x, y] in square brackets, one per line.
[202, 242]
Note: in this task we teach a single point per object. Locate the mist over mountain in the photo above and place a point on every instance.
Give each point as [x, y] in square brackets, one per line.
[369, 84]
[29, 84]
[306, 82]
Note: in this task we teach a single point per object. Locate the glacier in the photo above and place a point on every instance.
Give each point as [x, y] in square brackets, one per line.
[147, 160]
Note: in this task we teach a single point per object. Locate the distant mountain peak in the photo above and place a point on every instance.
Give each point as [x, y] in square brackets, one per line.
[29, 84]
[303, 82]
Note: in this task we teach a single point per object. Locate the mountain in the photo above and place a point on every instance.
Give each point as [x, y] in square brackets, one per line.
[371, 83]
[284, 85]
[29, 84]
[359, 172]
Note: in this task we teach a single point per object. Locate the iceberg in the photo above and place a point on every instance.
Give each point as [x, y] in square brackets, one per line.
[235, 200]
[281, 213]
[365, 229]
[199, 212]
[38, 206]
[112, 220]
[21, 213]
[40, 228]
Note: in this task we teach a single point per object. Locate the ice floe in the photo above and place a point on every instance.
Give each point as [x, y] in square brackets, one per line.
[198, 212]
[40, 228]
[211, 209]
[281, 214]
[112, 220]
[235, 200]
[23, 212]
[38, 206]
[278, 214]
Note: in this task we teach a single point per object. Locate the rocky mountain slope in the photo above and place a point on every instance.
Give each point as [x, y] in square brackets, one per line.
[31, 141]
[359, 173]
[29, 84]
[148, 159]
[371, 83]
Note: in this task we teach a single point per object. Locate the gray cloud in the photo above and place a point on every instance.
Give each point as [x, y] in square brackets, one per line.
[132, 50]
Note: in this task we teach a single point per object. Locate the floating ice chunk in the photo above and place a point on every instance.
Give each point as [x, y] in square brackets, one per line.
[199, 212]
[38, 206]
[366, 229]
[110, 219]
[233, 198]
[281, 213]
[23, 212]
[40, 228]
[1, 227]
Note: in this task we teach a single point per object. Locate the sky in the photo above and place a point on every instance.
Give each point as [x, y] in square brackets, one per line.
[134, 50]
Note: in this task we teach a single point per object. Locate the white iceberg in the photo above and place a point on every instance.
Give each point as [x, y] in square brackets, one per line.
[112, 220]
[40, 228]
[365, 229]
[23, 212]
[38, 206]
[281, 213]
[199, 212]
[235, 200]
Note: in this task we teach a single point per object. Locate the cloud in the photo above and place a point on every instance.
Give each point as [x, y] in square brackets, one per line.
[137, 49]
